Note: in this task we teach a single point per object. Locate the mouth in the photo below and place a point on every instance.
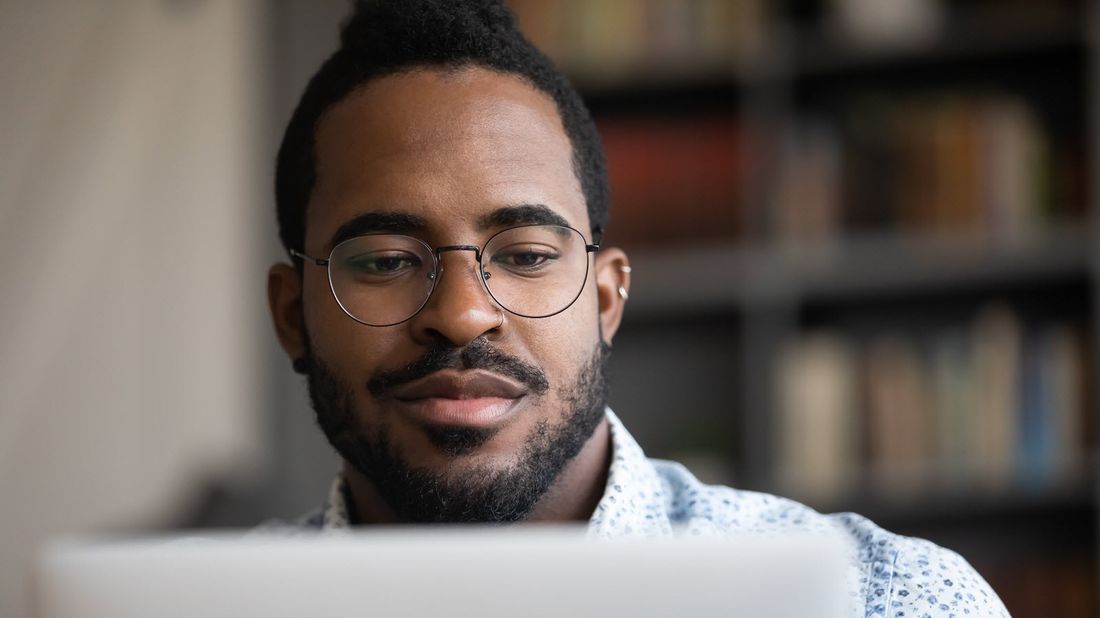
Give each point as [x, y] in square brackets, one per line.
[461, 398]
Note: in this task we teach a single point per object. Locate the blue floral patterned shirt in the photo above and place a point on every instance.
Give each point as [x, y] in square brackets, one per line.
[891, 575]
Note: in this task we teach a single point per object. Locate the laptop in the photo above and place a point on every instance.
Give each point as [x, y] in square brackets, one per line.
[453, 572]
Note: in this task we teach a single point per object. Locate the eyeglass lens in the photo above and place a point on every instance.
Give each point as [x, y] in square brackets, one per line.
[532, 271]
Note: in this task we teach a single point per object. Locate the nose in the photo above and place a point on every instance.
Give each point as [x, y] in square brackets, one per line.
[460, 308]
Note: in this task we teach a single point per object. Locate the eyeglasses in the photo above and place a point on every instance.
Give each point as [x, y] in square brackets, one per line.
[533, 271]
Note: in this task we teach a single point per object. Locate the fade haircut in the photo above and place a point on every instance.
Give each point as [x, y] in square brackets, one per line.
[384, 37]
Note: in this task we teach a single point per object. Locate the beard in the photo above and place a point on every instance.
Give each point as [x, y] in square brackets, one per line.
[469, 494]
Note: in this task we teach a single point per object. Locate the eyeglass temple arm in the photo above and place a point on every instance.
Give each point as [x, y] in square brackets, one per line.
[308, 258]
[597, 240]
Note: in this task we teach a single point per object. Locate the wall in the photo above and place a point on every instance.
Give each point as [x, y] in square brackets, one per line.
[132, 371]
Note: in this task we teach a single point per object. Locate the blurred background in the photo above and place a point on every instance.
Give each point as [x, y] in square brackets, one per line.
[866, 268]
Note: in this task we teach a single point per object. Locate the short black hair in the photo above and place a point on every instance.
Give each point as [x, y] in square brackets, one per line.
[384, 37]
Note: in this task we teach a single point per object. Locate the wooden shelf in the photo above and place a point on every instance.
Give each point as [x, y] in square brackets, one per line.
[969, 35]
[813, 52]
[659, 82]
[665, 94]
[675, 282]
[974, 506]
[991, 527]
[1068, 499]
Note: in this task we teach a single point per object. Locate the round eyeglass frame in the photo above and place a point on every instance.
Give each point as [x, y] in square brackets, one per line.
[437, 270]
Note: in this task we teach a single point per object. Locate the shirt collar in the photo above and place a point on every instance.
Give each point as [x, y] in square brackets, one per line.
[633, 500]
[631, 504]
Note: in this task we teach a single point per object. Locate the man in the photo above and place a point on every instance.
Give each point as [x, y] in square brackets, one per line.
[442, 193]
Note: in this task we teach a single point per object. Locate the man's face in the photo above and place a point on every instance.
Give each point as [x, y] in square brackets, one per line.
[454, 401]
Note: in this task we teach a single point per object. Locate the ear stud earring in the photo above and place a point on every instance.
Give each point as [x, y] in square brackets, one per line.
[622, 293]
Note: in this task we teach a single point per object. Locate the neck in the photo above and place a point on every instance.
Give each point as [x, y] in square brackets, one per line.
[572, 498]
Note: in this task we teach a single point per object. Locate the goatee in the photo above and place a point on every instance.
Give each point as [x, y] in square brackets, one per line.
[469, 493]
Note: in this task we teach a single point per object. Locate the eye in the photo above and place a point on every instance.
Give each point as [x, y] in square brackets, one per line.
[525, 258]
[379, 263]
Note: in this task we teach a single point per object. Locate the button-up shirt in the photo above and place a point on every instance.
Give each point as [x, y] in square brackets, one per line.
[890, 575]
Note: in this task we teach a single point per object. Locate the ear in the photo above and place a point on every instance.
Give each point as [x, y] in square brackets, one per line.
[613, 288]
[284, 296]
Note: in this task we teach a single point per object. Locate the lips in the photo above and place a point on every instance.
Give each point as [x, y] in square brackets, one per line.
[460, 385]
[468, 398]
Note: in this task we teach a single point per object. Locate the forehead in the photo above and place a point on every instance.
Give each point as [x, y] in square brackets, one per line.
[446, 147]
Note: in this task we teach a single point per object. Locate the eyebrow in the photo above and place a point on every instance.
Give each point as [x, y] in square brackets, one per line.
[405, 223]
[522, 214]
[378, 222]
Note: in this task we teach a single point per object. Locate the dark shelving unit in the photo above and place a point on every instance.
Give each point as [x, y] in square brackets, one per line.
[695, 364]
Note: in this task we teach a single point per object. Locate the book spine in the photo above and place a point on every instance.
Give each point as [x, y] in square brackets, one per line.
[994, 405]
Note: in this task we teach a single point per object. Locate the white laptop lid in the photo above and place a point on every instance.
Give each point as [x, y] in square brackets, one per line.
[413, 572]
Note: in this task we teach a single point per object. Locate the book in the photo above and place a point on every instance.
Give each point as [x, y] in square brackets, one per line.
[805, 207]
[953, 388]
[976, 163]
[817, 455]
[673, 181]
[619, 40]
[1052, 441]
[899, 420]
[997, 338]
[993, 404]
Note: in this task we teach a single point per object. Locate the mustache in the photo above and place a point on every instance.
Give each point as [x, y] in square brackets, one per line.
[478, 354]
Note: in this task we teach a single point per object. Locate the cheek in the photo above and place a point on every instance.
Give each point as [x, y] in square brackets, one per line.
[565, 342]
[321, 312]
[582, 319]
[350, 349]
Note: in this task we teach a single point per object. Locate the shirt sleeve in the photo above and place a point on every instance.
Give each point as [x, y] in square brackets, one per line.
[908, 577]
[928, 580]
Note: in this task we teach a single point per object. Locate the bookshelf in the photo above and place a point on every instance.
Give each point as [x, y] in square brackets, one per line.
[762, 274]
[910, 207]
